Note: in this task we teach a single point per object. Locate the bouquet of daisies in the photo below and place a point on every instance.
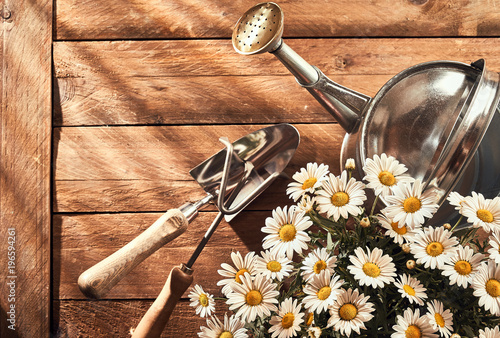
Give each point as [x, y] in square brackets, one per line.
[330, 267]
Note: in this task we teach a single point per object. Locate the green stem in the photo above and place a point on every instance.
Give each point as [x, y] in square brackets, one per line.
[373, 206]
[458, 222]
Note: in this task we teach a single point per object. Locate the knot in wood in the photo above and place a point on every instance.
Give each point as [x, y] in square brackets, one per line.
[418, 2]
[6, 13]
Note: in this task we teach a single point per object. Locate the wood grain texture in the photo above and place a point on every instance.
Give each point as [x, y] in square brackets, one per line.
[117, 318]
[119, 169]
[207, 82]
[25, 139]
[140, 19]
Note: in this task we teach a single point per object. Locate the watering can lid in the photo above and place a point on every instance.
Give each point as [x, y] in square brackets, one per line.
[431, 117]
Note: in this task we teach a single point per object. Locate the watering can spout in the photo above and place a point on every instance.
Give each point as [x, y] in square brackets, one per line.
[346, 105]
[260, 30]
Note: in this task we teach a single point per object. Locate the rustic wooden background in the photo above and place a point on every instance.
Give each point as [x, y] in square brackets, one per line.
[141, 92]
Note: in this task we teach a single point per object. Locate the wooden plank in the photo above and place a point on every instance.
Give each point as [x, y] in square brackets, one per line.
[206, 82]
[140, 19]
[25, 138]
[80, 241]
[117, 318]
[119, 169]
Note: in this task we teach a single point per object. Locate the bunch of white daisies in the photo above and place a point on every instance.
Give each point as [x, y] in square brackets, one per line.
[331, 268]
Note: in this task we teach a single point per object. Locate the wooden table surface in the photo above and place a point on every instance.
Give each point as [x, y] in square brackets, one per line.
[107, 105]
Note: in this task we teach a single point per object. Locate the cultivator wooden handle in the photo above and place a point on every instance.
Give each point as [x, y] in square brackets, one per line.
[156, 318]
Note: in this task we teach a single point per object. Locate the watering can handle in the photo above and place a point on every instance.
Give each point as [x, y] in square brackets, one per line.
[100, 278]
[156, 318]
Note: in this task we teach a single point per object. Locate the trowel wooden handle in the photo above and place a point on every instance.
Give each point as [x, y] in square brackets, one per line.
[155, 319]
[100, 278]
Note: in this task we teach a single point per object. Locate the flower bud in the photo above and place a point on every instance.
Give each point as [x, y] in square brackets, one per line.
[410, 264]
[406, 248]
[447, 226]
[349, 164]
[314, 332]
[309, 318]
[455, 335]
[365, 222]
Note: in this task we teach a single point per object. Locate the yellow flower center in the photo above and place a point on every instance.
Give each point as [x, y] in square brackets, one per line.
[238, 274]
[324, 292]
[485, 216]
[409, 290]
[411, 205]
[439, 319]
[463, 267]
[287, 320]
[309, 183]
[397, 229]
[253, 298]
[204, 300]
[274, 266]
[493, 287]
[340, 199]
[386, 178]
[310, 318]
[434, 249]
[319, 266]
[348, 311]
[413, 331]
[225, 334]
[287, 232]
[371, 269]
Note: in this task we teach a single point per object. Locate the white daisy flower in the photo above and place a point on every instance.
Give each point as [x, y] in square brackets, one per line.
[316, 262]
[306, 204]
[321, 291]
[373, 268]
[411, 288]
[307, 180]
[350, 312]
[456, 200]
[481, 212]
[409, 206]
[411, 324]
[462, 266]
[254, 297]
[202, 301]
[384, 173]
[433, 247]
[287, 322]
[231, 328]
[490, 333]
[273, 265]
[439, 319]
[286, 231]
[401, 234]
[486, 285]
[494, 251]
[340, 197]
[233, 275]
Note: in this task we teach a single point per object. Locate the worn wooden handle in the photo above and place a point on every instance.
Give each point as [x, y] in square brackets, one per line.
[155, 319]
[99, 279]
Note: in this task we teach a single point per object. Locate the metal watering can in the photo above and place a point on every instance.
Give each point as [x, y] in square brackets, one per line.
[438, 118]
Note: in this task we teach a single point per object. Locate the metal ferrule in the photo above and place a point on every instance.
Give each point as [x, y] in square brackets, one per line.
[185, 269]
[190, 210]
